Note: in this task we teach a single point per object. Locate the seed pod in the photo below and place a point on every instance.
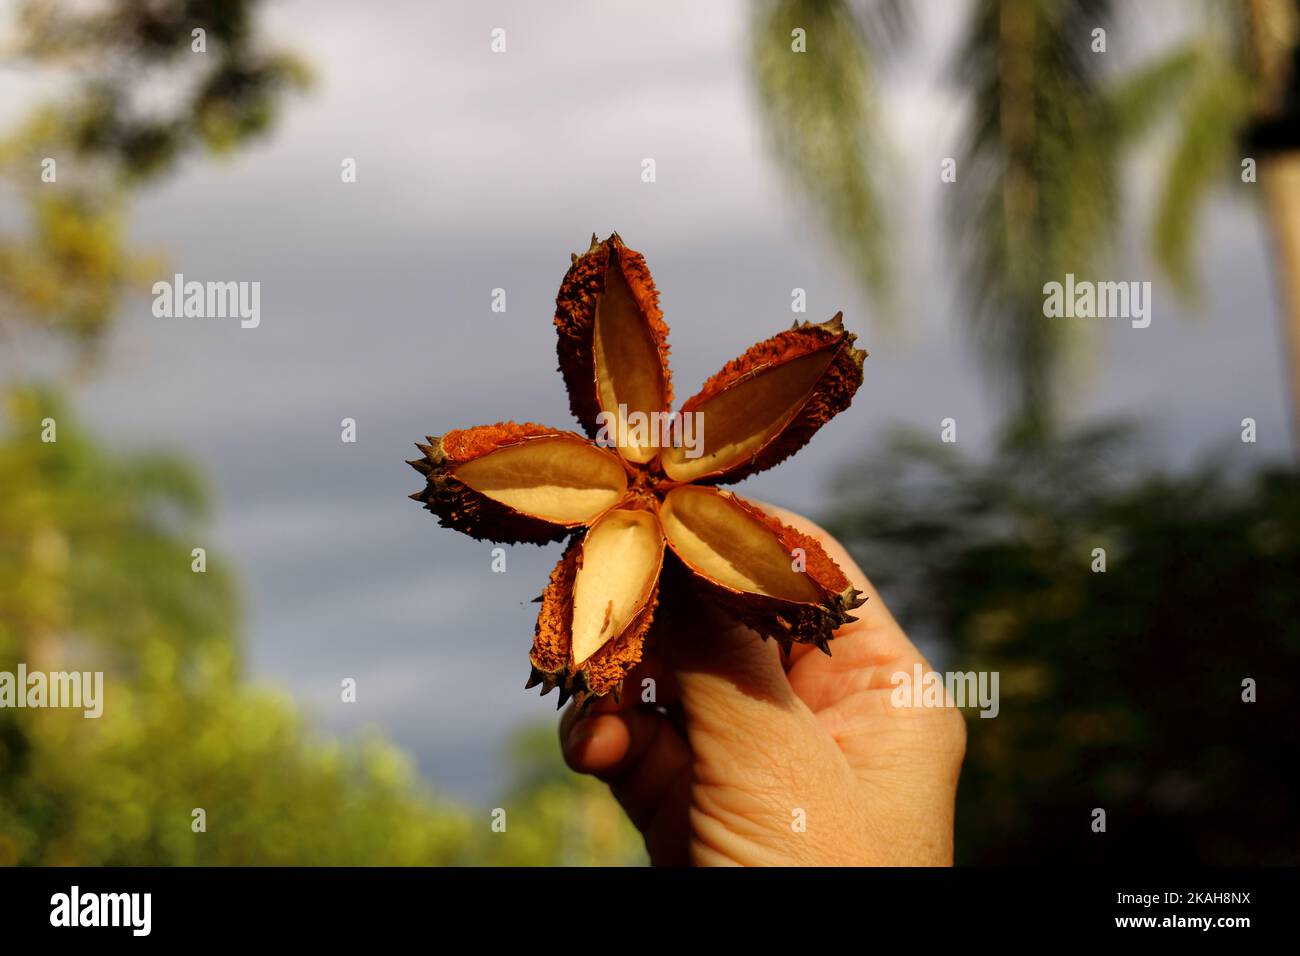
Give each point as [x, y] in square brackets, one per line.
[745, 561]
[613, 343]
[767, 404]
[518, 483]
[598, 606]
[623, 500]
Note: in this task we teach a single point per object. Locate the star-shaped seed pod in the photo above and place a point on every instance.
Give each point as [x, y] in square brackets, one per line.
[640, 489]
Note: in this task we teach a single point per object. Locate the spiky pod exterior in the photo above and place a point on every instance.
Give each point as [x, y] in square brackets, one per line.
[833, 394]
[461, 507]
[575, 322]
[552, 654]
[471, 512]
[787, 621]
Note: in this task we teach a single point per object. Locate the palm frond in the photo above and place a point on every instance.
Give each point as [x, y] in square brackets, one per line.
[1209, 125]
[1143, 98]
[1038, 197]
[821, 113]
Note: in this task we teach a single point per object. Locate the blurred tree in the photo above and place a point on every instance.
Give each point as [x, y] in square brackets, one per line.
[1039, 169]
[95, 546]
[813, 67]
[223, 88]
[1037, 193]
[566, 820]
[1037, 196]
[1238, 99]
[134, 99]
[95, 574]
[95, 560]
[1119, 688]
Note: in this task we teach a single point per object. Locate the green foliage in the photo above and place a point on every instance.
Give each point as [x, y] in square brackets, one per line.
[1119, 689]
[95, 545]
[1143, 97]
[1039, 182]
[95, 560]
[569, 820]
[222, 97]
[65, 265]
[820, 111]
[65, 269]
[1206, 93]
[121, 790]
[1210, 121]
[1039, 168]
[95, 574]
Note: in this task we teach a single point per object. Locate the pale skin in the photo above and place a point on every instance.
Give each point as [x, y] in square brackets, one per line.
[766, 761]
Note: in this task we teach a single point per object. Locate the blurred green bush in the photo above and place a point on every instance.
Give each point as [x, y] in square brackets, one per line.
[95, 574]
[1119, 689]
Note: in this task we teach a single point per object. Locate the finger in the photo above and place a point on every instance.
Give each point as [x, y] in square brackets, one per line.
[594, 743]
[607, 745]
[636, 751]
[645, 788]
[651, 682]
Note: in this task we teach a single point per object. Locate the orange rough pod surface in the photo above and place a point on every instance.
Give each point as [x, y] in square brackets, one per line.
[833, 394]
[466, 443]
[819, 565]
[639, 507]
[575, 322]
[462, 508]
[551, 656]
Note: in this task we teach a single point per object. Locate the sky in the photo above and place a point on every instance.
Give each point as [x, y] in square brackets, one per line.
[478, 171]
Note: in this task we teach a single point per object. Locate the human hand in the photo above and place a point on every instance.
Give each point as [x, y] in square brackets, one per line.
[740, 740]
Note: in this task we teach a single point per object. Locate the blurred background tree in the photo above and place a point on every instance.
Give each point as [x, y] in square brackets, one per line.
[95, 545]
[1121, 688]
[133, 99]
[1050, 124]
